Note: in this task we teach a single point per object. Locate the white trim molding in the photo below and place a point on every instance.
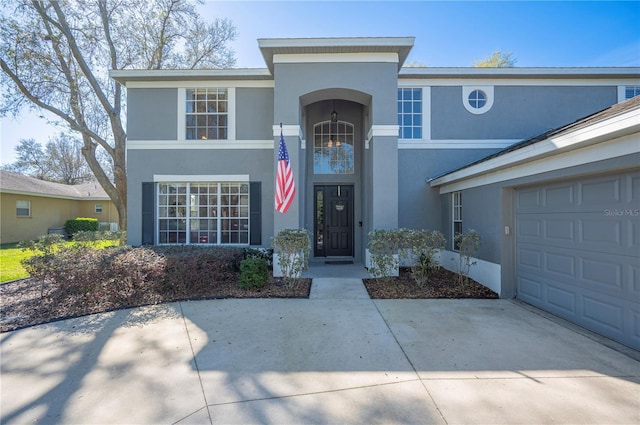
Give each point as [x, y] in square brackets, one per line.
[386, 57]
[197, 178]
[487, 90]
[381, 131]
[291, 131]
[198, 144]
[288, 131]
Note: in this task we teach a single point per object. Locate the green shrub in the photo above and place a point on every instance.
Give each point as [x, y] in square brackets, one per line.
[468, 244]
[253, 273]
[383, 246]
[420, 248]
[293, 247]
[264, 253]
[80, 224]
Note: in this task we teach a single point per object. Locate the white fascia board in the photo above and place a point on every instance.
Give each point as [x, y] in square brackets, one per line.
[126, 76]
[199, 145]
[613, 127]
[47, 195]
[335, 42]
[469, 81]
[178, 178]
[627, 72]
[626, 145]
[336, 58]
[201, 84]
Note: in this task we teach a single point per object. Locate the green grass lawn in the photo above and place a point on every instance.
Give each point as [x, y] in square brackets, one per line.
[11, 255]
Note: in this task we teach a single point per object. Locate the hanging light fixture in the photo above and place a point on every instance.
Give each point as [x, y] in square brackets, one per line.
[334, 114]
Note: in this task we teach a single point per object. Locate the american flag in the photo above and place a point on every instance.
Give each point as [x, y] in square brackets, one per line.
[285, 186]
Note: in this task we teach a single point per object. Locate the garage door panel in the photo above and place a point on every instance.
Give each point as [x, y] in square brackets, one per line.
[600, 231]
[560, 263]
[600, 192]
[603, 313]
[559, 197]
[578, 252]
[530, 258]
[561, 299]
[605, 273]
[559, 229]
[529, 290]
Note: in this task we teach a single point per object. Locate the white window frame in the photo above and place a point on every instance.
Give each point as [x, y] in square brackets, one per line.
[219, 218]
[340, 130]
[18, 208]
[182, 113]
[456, 216]
[487, 90]
[98, 208]
[401, 125]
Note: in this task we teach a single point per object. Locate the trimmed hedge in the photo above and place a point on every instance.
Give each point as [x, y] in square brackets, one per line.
[81, 224]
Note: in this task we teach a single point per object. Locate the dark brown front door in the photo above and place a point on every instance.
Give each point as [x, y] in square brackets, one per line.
[333, 230]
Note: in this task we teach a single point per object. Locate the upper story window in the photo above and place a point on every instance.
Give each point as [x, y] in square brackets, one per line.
[631, 91]
[333, 148]
[410, 113]
[477, 99]
[23, 208]
[207, 114]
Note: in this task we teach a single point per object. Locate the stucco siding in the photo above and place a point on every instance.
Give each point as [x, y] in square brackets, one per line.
[254, 114]
[45, 213]
[518, 112]
[144, 164]
[418, 204]
[152, 114]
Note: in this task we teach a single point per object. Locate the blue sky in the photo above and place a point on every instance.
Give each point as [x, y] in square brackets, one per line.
[453, 33]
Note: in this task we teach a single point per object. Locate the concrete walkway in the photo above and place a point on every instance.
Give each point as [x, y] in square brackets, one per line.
[338, 357]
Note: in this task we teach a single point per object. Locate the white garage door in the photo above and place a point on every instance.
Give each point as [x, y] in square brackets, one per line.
[578, 252]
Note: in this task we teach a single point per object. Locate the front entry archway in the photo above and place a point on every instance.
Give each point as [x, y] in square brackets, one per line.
[333, 228]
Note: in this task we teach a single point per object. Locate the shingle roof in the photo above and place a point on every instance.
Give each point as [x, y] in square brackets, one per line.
[17, 183]
[612, 111]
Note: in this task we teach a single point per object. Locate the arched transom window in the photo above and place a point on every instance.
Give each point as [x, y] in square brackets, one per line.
[333, 148]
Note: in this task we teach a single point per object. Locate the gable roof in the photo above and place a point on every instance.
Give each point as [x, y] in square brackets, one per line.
[616, 110]
[25, 185]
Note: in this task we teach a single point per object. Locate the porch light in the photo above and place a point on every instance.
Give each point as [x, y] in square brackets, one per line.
[334, 116]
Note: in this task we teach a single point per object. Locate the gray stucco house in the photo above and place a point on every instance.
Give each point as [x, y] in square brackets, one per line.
[507, 152]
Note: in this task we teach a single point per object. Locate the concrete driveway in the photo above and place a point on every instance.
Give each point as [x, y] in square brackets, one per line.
[336, 358]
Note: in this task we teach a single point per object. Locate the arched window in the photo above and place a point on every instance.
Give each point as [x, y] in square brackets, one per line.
[333, 148]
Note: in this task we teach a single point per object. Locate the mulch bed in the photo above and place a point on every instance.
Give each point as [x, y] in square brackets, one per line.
[22, 306]
[442, 284]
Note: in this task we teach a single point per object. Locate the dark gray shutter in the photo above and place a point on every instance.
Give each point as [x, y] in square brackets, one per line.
[255, 213]
[148, 213]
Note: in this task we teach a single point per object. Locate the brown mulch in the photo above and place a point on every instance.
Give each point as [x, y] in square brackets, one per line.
[22, 306]
[442, 284]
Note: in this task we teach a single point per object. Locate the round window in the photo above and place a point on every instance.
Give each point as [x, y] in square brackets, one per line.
[477, 99]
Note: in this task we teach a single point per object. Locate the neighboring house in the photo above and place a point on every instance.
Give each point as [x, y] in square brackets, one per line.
[363, 135]
[30, 207]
